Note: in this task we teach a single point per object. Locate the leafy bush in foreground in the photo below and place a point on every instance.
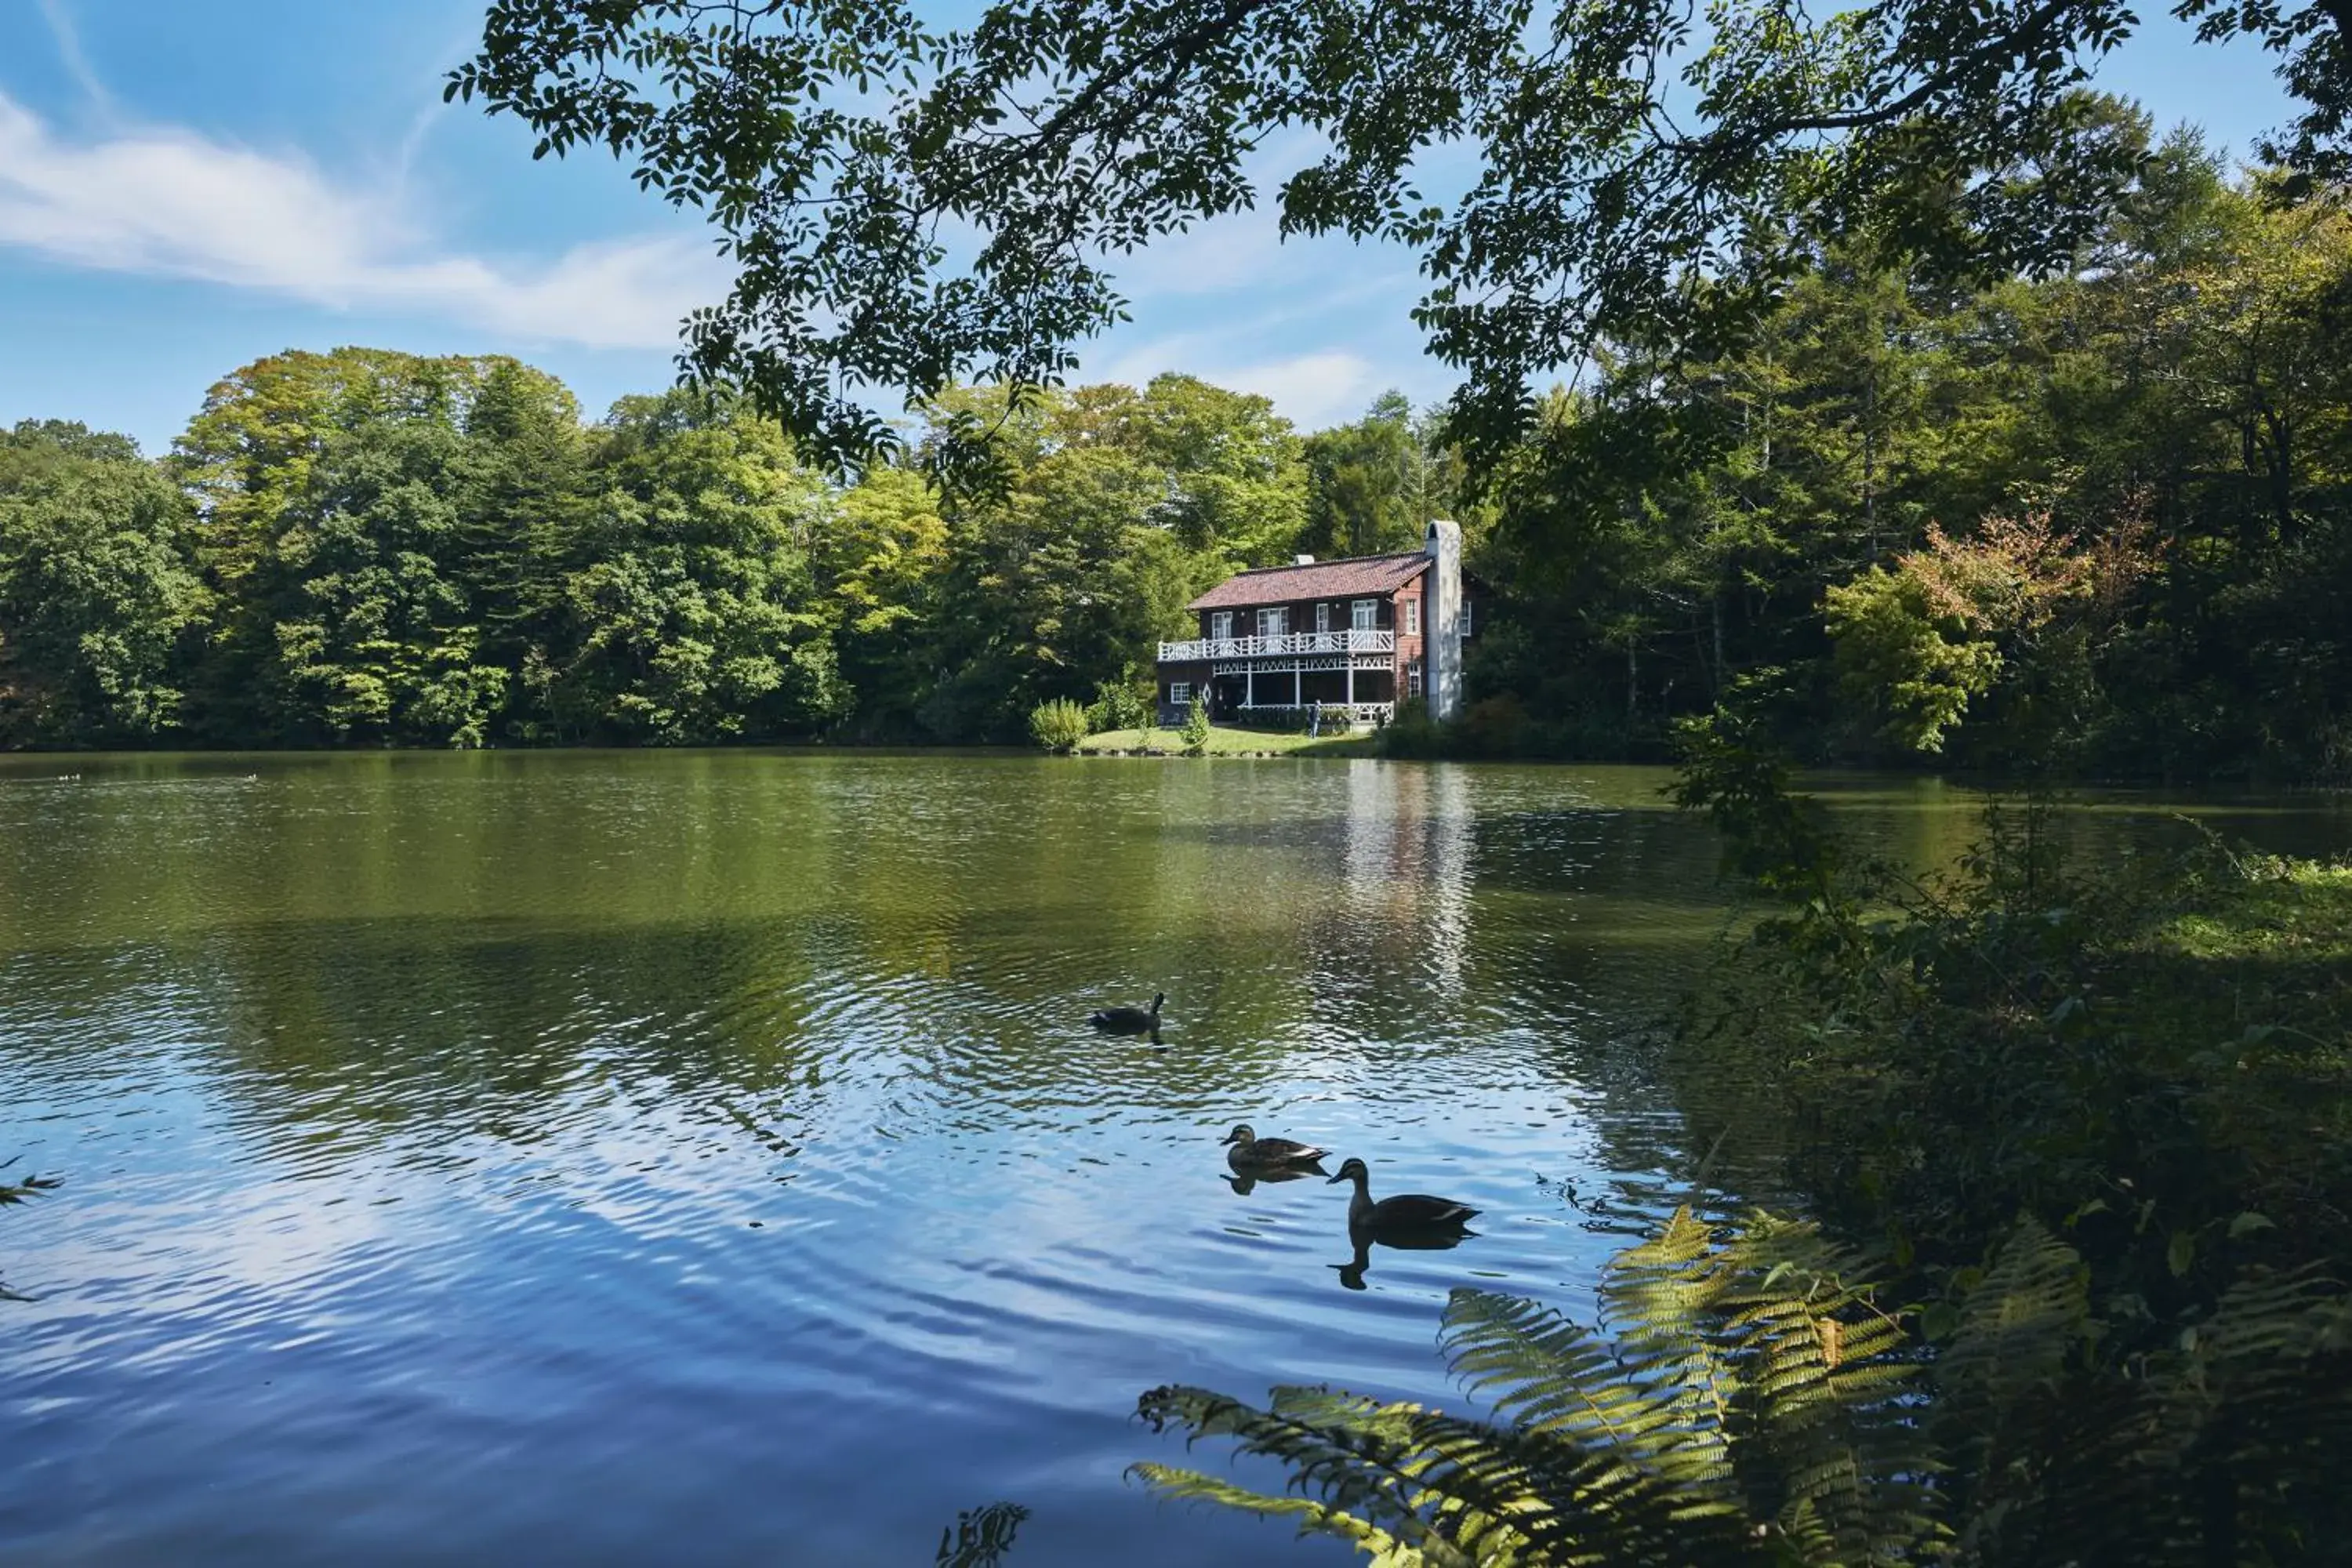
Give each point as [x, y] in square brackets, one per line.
[1751, 1408]
[1759, 1405]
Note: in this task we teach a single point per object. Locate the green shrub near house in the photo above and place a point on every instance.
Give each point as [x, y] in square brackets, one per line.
[1058, 725]
[1122, 704]
[1196, 728]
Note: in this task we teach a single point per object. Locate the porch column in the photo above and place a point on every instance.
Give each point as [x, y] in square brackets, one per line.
[1249, 698]
[1352, 690]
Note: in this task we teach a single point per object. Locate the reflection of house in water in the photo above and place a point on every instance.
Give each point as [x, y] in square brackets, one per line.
[1407, 869]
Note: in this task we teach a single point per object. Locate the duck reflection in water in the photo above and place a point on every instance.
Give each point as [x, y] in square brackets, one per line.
[1243, 1181]
[1352, 1273]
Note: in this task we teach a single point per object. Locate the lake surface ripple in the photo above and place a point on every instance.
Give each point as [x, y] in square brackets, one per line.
[703, 1158]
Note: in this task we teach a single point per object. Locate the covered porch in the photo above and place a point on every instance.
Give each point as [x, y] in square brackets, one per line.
[1350, 691]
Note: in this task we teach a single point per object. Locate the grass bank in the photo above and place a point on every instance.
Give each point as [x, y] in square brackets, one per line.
[1226, 742]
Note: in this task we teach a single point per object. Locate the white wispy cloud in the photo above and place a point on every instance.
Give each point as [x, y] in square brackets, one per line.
[167, 202]
[1311, 388]
[67, 38]
[1238, 251]
[1322, 388]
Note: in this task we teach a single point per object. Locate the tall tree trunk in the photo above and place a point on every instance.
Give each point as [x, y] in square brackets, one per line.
[1714, 614]
[1870, 460]
[2281, 464]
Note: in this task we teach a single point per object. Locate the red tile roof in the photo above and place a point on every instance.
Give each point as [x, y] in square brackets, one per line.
[1358, 577]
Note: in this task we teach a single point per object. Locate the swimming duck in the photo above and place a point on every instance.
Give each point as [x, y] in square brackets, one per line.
[1128, 1020]
[1405, 1211]
[1247, 1151]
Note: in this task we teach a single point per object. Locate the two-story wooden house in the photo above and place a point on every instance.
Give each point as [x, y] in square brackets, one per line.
[1358, 635]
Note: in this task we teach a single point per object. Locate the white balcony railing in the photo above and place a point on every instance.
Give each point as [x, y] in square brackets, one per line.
[1349, 641]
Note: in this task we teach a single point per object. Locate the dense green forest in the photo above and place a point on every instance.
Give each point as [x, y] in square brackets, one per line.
[2117, 498]
[2095, 519]
[365, 547]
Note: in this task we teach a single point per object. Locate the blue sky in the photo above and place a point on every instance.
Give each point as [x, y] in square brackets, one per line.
[185, 187]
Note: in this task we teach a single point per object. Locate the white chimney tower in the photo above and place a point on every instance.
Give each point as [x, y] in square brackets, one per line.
[1442, 636]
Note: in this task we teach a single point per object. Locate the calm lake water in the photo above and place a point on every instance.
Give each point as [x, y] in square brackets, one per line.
[703, 1158]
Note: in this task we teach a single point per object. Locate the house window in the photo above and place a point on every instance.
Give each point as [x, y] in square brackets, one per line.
[1273, 623]
[1412, 678]
[1364, 614]
[1465, 617]
[1322, 618]
[1412, 618]
[1220, 625]
[1179, 692]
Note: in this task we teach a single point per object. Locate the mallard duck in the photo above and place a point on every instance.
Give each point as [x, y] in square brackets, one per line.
[1128, 1020]
[1246, 1151]
[1405, 1211]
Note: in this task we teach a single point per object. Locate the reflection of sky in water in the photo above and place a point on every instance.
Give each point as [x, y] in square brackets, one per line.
[698, 1158]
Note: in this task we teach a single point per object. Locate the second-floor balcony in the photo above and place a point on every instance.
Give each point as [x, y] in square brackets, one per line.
[1280, 645]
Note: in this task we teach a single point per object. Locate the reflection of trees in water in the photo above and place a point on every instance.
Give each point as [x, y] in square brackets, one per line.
[464, 944]
[398, 1019]
[468, 944]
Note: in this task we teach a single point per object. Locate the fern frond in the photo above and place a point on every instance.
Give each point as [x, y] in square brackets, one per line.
[1557, 1500]
[1355, 1455]
[1550, 1374]
[1311, 1516]
[1825, 1430]
[2017, 1327]
[1445, 1487]
[981, 1537]
[2266, 1383]
[1754, 1406]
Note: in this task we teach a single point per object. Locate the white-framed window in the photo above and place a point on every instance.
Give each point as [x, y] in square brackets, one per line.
[1323, 616]
[1274, 621]
[1364, 614]
[1412, 616]
[1412, 678]
[1466, 618]
[1179, 692]
[1220, 625]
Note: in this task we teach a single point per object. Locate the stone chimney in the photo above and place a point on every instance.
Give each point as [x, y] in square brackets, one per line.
[1442, 629]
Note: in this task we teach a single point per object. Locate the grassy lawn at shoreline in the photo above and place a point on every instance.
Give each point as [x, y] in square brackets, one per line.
[1224, 742]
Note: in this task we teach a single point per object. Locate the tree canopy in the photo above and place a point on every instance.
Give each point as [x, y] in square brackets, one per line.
[2098, 521]
[910, 205]
[365, 547]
